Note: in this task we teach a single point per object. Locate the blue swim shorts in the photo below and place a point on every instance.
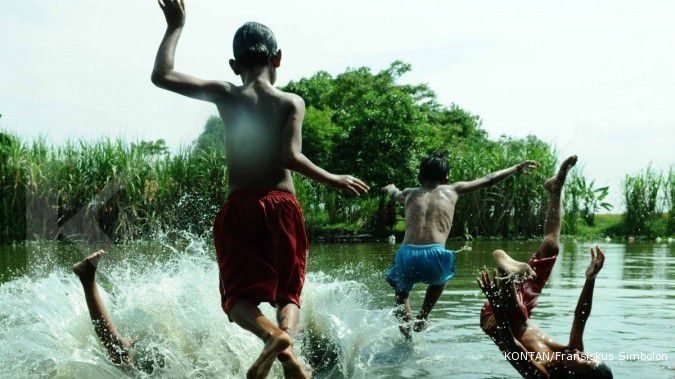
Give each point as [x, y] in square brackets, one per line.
[430, 264]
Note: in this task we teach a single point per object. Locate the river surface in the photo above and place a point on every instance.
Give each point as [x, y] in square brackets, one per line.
[165, 293]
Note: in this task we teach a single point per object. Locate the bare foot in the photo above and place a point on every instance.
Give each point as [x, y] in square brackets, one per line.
[275, 345]
[86, 268]
[420, 325]
[555, 183]
[513, 267]
[291, 364]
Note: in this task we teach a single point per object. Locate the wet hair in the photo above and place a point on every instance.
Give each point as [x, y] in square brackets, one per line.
[254, 44]
[601, 371]
[434, 168]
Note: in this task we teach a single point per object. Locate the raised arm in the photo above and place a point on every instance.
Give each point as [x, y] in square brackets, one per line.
[585, 302]
[295, 160]
[492, 178]
[396, 193]
[501, 295]
[163, 74]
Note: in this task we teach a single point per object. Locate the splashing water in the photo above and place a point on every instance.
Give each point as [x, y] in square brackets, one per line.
[174, 306]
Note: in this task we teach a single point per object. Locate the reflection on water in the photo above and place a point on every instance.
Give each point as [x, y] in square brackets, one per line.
[168, 295]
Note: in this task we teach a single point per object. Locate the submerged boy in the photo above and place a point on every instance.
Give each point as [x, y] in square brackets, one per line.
[429, 211]
[120, 350]
[259, 233]
[505, 317]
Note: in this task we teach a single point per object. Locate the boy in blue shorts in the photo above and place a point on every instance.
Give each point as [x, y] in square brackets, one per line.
[429, 210]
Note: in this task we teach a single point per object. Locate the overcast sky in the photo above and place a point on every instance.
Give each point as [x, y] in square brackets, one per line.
[593, 78]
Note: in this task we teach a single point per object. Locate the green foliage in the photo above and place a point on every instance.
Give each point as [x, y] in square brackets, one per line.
[212, 137]
[357, 122]
[370, 126]
[582, 201]
[106, 189]
[643, 200]
[670, 199]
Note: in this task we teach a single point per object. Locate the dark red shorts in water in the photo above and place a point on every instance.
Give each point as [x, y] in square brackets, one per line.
[527, 292]
[261, 246]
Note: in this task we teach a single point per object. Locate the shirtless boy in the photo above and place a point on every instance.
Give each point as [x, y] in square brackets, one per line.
[259, 233]
[505, 317]
[429, 211]
[120, 350]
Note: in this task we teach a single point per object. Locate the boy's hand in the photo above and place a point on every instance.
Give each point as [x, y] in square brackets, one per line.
[174, 12]
[350, 184]
[498, 291]
[597, 260]
[527, 166]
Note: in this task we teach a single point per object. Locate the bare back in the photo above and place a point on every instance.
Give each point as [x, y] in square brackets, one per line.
[254, 116]
[429, 214]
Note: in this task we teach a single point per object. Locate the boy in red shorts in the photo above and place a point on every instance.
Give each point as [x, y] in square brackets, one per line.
[259, 233]
[505, 317]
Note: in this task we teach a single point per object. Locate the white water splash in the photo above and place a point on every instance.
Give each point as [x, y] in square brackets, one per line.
[174, 305]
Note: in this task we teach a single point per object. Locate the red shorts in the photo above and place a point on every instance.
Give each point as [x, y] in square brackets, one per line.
[527, 292]
[261, 246]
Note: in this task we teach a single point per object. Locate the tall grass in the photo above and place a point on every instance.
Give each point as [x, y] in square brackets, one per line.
[645, 196]
[581, 201]
[670, 199]
[106, 189]
[111, 189]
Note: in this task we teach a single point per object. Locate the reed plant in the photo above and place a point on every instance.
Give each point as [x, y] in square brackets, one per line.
[644, 200]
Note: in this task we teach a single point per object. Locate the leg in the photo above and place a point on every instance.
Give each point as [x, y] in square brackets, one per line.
[510, 266]
[551, 244]
[403, 313]
[288, 317]
[249, 317]
[430, 298]
[117, 347]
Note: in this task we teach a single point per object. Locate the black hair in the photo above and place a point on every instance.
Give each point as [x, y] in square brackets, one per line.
[254, 44]
[434, 168]
[601, 371]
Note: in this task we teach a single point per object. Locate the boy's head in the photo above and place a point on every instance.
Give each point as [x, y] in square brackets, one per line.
[434, 168]
[254, 45]
[579, 365]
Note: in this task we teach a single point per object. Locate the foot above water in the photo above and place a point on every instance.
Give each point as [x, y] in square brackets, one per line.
[512, 267]
[86, 268]
[555, 183]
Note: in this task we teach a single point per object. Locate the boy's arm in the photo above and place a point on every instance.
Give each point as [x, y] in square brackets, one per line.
[585, 302]
[518, 357]
[163, 74]
[492, 178]
[396, 193]
[294, 159]
[500, 295]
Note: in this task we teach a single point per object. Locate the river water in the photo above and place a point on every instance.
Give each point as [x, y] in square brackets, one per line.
[166, 295]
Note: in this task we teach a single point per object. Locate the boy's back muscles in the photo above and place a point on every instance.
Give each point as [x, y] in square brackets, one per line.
[254, 116]
[429, 214]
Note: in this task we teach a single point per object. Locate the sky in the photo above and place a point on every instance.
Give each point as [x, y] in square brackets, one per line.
[595, 79]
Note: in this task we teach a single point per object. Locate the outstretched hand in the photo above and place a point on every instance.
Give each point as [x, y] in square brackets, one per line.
[174, 12]
[527, 166]
[349, 183]
[498, 291]
[597, 261]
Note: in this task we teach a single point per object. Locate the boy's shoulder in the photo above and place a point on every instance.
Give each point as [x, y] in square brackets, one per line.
[293, 99]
